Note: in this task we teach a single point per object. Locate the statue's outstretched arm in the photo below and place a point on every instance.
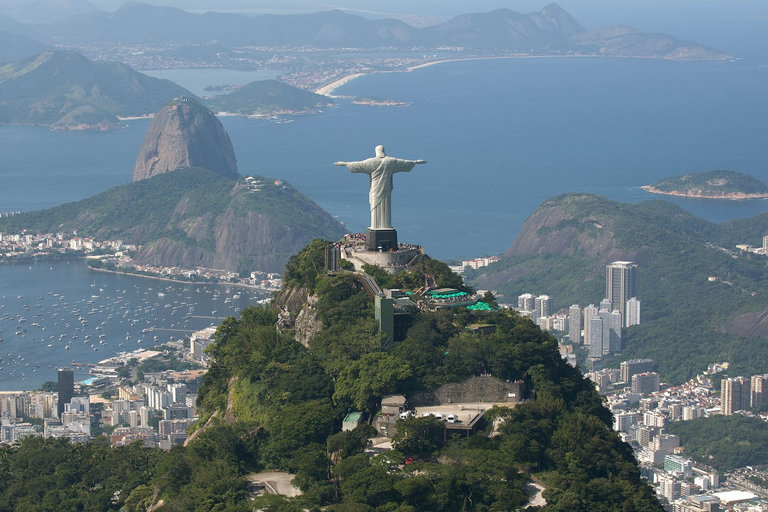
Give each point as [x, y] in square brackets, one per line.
[340, 163]
[421, 161]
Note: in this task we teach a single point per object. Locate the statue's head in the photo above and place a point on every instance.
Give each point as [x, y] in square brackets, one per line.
[380, 151]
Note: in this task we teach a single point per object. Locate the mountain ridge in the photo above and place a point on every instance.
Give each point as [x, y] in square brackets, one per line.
[551, 28]
[194, 217]
[694, 287]
[65, 90]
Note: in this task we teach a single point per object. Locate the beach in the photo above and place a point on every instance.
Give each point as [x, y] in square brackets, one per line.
[328, 89]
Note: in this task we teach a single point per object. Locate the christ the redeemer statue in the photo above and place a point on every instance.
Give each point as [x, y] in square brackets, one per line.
[380, 170]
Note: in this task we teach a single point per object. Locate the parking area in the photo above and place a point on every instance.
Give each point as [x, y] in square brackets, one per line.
[458, 417]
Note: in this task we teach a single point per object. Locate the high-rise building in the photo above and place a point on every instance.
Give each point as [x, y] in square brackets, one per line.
[589, 312]
[545, 304]
[526, 302]
[735, 395]
[596, 337]
[622, 421]
[633, 313]
[645, 383]
[614, 332]
[608, 340]
[620, 284]
[691, 412]
[633, 367]
[758, 389]
[66, 388]
[606, 305]
[669, 487]
[574, 324]
[178, 393]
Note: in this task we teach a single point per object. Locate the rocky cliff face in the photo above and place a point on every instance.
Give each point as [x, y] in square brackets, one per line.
[185, 134]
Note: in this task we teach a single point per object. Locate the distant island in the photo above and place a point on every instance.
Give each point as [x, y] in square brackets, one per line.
[379, 102]
[226, 87]
[268, 98]
[711, 185]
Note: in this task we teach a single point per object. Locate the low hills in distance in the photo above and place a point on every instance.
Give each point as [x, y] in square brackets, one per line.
[268, 97]
[67, 91]
[551, 30]
[15, 47]
[703, 301]
[47, 11]
[711, 185]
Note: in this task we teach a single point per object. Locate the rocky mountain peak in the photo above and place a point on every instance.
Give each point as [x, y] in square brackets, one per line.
[184, 133]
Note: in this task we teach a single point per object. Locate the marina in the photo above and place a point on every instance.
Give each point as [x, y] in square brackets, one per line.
[59, 314]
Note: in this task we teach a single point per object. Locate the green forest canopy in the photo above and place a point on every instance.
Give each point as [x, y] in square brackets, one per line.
[289, 400]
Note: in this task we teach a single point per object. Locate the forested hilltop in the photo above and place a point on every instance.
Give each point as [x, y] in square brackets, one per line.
[194, 217]
[703, 301]
[711, 185]
[270, 402]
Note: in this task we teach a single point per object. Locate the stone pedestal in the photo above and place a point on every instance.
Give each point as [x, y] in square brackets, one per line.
[380, 240]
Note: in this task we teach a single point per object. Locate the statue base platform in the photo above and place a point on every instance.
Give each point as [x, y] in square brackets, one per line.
[381, 240]
[392, 261]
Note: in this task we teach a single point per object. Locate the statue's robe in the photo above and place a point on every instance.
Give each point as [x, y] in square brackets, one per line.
[380, 171]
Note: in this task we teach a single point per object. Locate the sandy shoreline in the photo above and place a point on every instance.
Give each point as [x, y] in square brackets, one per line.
[328, 89]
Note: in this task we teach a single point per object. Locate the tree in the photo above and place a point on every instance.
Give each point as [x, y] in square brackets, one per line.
[351, 442]
[49, 386]
[418, 436]
[366, 380]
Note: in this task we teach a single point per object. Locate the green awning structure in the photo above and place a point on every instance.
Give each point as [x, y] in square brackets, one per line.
[447, 295]
[480, 306]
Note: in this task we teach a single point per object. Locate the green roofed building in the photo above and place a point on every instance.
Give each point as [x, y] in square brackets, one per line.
[442, 298]
[480, 306]
[352, 420]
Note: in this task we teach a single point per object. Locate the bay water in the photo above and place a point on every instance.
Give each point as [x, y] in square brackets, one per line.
[500, 136]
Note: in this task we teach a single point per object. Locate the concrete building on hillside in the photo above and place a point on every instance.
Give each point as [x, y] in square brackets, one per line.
[645, 383]
[589, 312]
[574, 324]
[545, 304]
[735, 395]
[526, 302]
[596, 337]
[620, 284]
[633, 367]
[632, 316]
[758, 388]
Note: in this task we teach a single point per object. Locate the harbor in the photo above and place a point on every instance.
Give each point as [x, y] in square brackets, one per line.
[60, 314]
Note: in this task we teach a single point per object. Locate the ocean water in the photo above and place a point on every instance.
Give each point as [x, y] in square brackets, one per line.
[500, 136]
[196, 81]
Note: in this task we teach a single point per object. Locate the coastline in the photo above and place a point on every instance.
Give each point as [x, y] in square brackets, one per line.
[732, 197]
[181, 281]
[327, 90]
